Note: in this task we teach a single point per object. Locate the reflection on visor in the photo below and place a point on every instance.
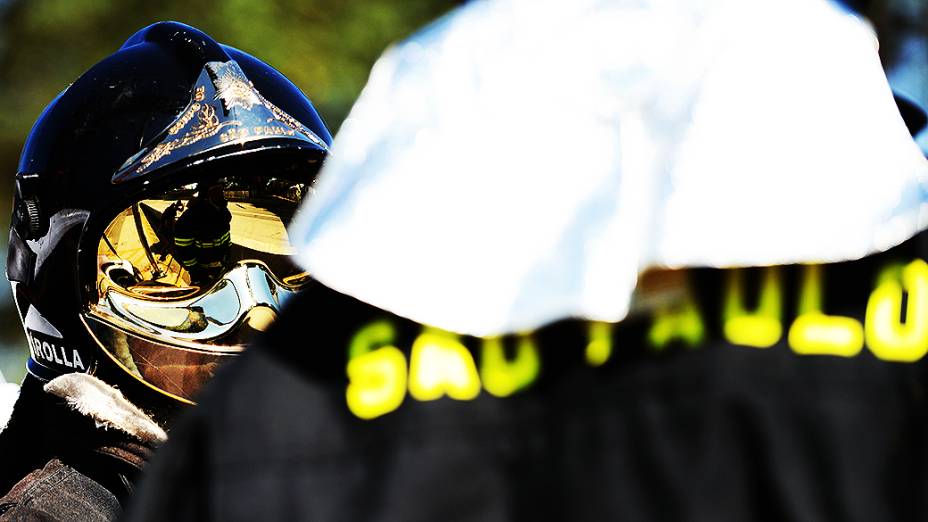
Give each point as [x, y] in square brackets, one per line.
[179, 243]
[187, 277]
[179, 372]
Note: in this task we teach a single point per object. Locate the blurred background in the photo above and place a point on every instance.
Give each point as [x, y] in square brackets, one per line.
[325, 47]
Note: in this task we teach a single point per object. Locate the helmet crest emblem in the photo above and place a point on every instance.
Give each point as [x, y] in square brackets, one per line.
[232, 87]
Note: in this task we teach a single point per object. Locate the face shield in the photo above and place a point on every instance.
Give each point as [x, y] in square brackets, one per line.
[185, 277]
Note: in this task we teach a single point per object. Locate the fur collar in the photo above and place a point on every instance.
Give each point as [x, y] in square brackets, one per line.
[106, 405]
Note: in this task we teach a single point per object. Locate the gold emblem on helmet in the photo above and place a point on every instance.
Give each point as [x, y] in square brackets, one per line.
[243, 111]
[232, 87]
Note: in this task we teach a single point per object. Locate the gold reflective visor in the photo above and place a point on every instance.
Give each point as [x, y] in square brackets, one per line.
[185, 278]
[175, 371]
[178, 244]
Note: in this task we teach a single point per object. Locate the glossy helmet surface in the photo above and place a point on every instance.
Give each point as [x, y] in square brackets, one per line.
[171, 110]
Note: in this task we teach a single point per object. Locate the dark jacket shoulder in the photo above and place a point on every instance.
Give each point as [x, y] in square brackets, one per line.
[58, 492]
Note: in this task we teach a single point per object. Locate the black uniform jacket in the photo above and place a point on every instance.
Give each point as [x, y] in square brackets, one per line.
[56, 464]
[787, 393]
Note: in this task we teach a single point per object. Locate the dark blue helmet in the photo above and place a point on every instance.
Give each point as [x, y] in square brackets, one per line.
[97, 258]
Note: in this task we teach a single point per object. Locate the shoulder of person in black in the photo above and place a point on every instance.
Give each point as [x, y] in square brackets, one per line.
[680, 431]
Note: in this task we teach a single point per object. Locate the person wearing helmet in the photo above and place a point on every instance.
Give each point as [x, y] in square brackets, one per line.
[148, 245]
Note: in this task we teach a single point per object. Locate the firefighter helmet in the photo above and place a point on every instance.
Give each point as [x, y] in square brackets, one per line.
[149, 225]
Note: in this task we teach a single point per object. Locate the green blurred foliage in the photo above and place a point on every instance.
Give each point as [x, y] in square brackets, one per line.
[325, 47]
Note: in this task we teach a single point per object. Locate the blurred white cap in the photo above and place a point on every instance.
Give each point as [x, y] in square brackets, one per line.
[523, 161]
